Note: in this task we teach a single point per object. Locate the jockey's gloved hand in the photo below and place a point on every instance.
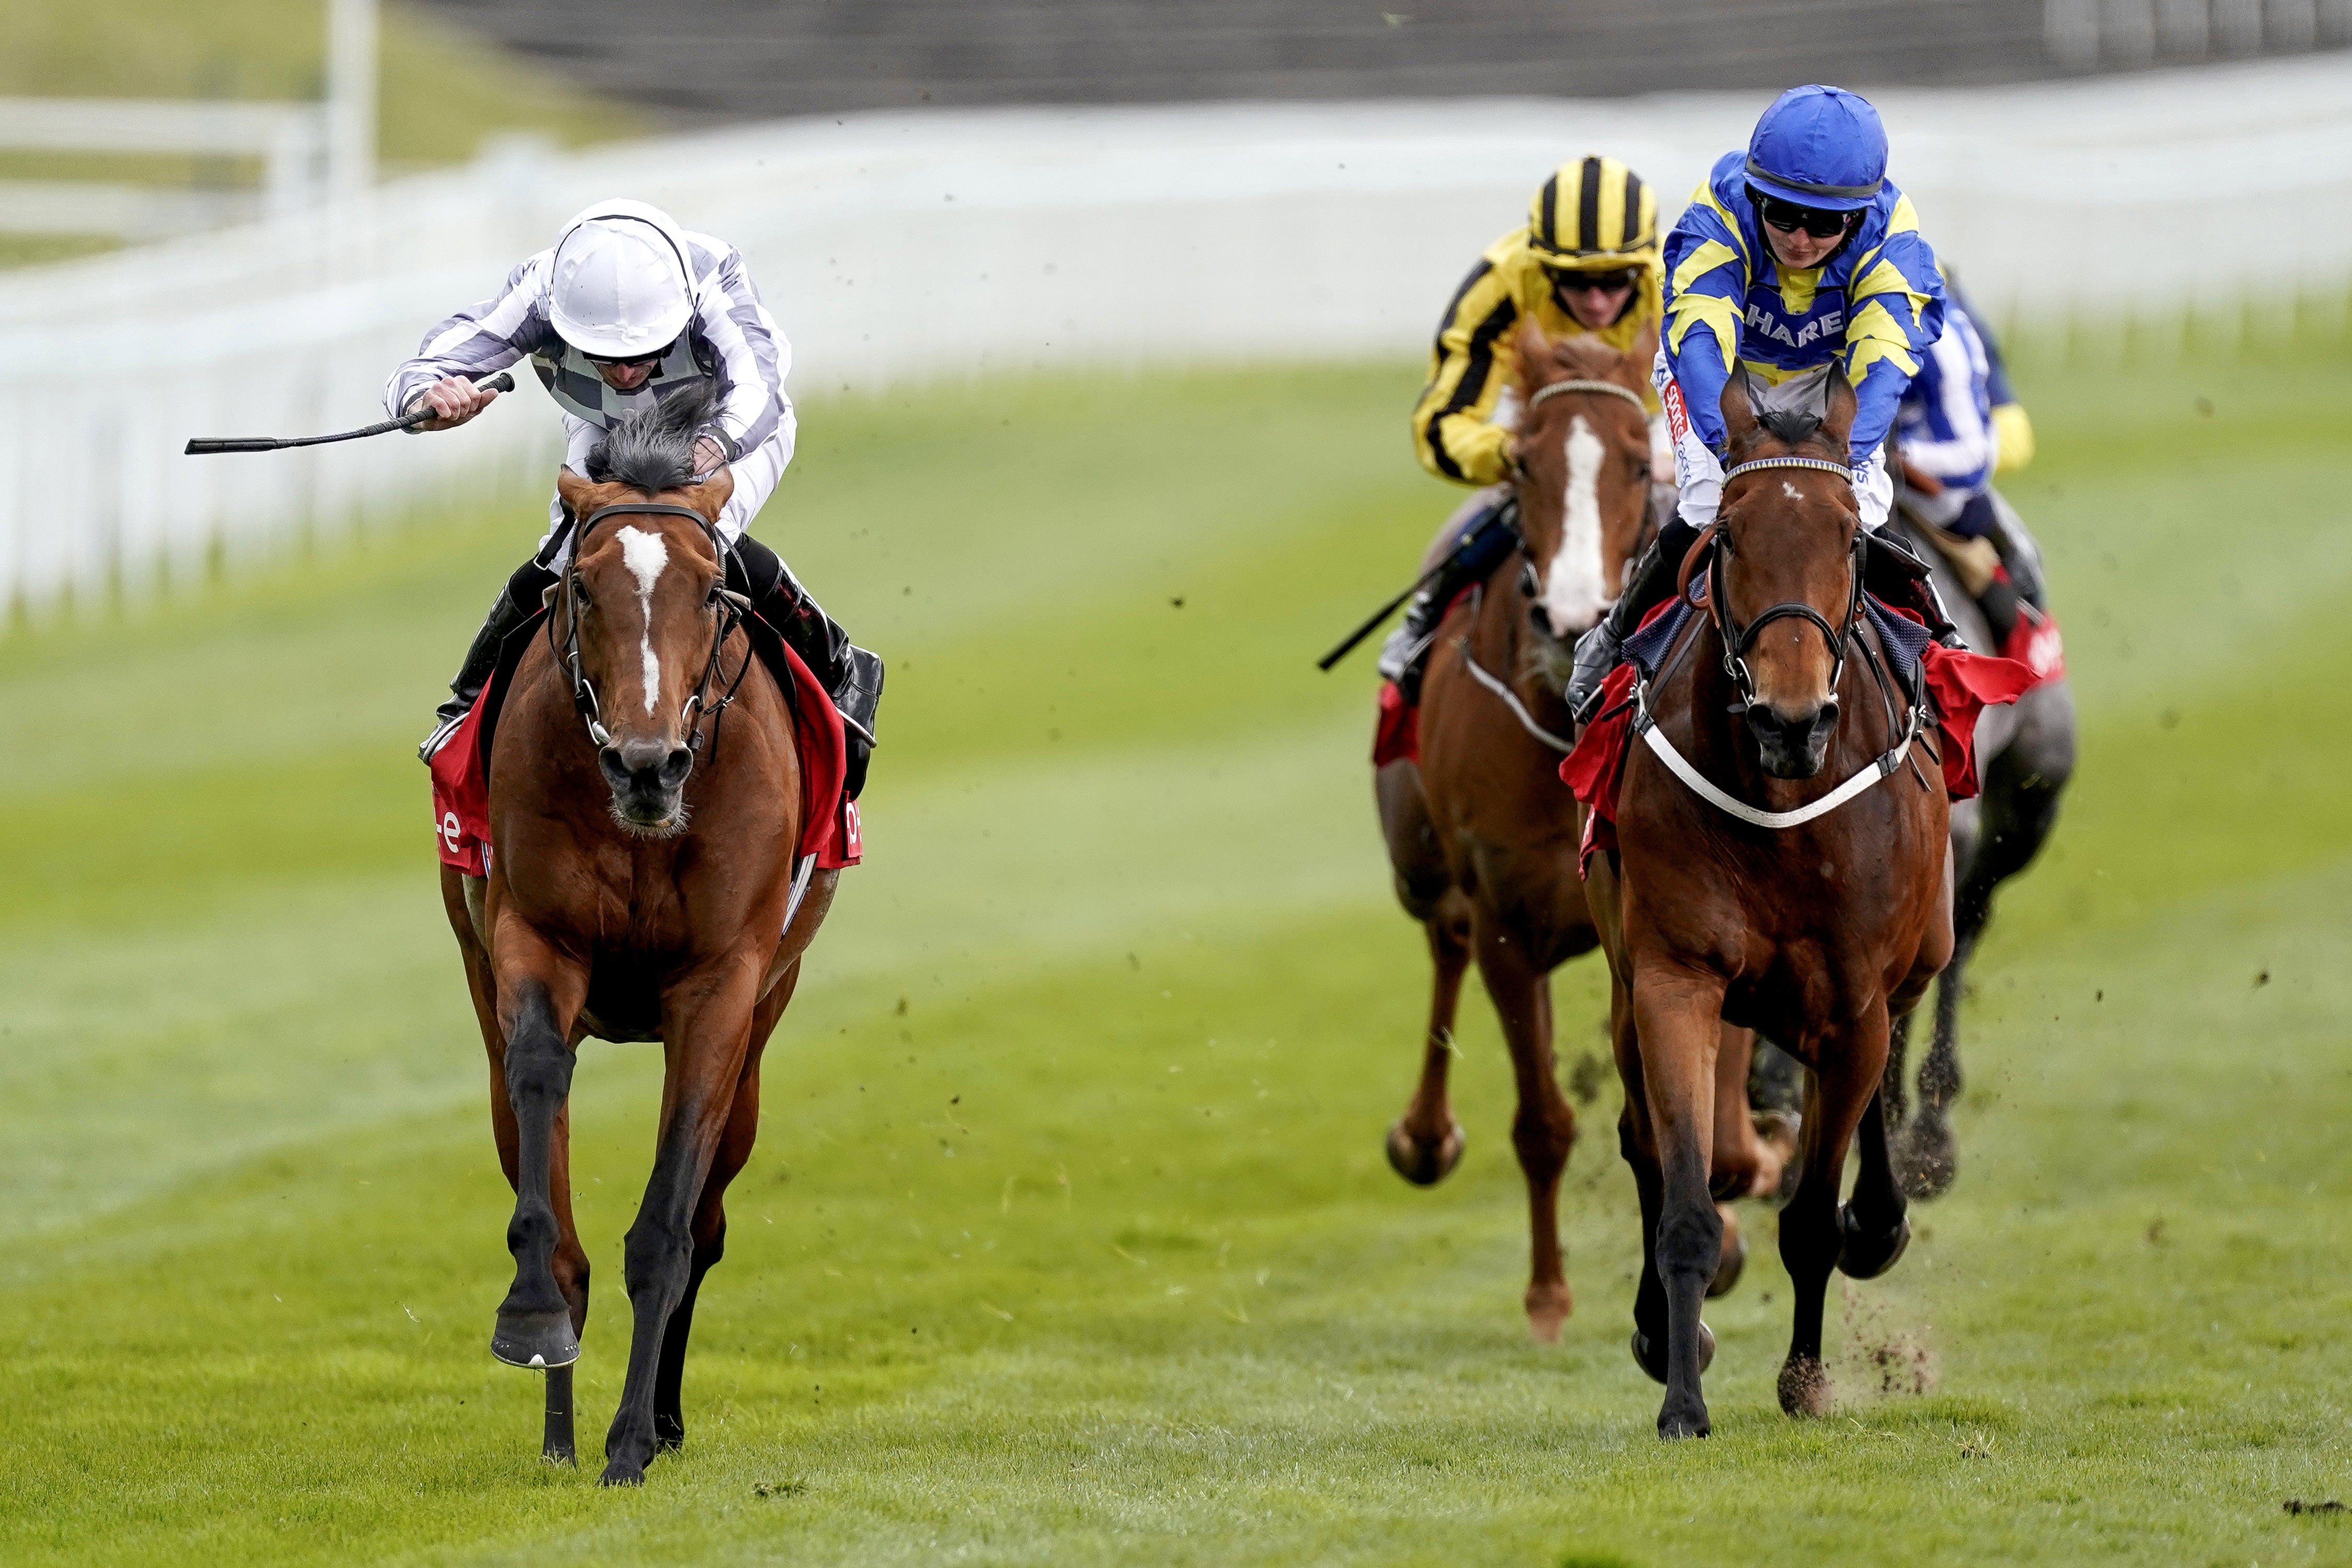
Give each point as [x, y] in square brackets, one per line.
[710, 456]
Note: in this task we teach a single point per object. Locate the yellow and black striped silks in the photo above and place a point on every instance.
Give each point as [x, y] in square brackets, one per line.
[1594, 214]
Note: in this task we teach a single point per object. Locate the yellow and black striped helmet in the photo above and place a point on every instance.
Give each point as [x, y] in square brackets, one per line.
[1594, 214]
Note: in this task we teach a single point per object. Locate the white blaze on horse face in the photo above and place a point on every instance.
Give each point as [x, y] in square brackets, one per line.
[1574, 591]
[644, 554]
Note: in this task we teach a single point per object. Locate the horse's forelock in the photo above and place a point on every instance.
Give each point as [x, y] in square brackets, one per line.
[652, 449]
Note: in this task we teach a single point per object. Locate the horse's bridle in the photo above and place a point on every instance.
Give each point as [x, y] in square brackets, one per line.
[1607, 389]
[730, 606]
[1739, 639]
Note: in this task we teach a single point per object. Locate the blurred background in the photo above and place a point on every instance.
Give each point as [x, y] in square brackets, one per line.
[1069, 1236]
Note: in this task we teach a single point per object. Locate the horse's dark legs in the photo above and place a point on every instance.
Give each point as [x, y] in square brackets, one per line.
[569, 1263]
[669, 1373]
[711, 1233]
[1894, 1093]
[1816, 1230]
[707, 1032]
[1678, 1022]
[2019, 807]
[1426, 1142]
[536, 1323]
[1544, 1128]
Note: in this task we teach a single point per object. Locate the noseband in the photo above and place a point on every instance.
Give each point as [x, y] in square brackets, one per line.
[731, 616]
[1737, 639]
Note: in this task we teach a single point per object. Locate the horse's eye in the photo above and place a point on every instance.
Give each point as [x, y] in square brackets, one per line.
[580, 596]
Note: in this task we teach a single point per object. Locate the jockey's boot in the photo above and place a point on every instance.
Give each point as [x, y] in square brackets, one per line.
[1650, 584]
[852, 675]
[1481, 546]
[517, 602]
[1894, 576]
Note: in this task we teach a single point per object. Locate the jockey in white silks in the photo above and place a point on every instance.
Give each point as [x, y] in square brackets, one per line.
[623, 310]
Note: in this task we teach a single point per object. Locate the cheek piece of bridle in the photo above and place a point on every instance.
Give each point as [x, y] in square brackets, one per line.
[730, 605]
[1739, 639]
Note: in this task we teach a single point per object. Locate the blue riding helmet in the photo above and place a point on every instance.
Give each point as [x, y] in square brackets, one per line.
[1818, 147]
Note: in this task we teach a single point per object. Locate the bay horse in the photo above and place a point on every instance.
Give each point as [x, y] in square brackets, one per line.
[635, 896]
[1482, 856]
[1818, 929]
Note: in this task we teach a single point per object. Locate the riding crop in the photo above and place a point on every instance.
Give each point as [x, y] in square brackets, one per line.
[1461, 546]
[203, 447]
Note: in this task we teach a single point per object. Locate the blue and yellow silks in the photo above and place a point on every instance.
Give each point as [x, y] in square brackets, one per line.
[1872, 306]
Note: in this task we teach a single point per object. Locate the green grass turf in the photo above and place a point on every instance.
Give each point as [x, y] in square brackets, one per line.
[1068, 1239]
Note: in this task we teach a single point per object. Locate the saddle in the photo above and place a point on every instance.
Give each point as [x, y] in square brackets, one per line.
[831, 831]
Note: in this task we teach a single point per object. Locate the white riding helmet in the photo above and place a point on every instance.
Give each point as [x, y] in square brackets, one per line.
[619, 289]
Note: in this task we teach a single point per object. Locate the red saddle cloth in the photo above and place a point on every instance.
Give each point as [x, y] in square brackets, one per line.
[1959, 684]
[830, 828]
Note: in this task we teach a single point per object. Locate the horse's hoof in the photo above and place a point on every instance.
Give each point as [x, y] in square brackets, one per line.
[1657, 1368]
[1422, 1163]
[1675, 1424]
[1925, 1159]
[1804, 1386]
[1734, 1256]
[617, 1474]
[538, 1341]
[670, 1434]
[1867, 1255]
[1548, 1308]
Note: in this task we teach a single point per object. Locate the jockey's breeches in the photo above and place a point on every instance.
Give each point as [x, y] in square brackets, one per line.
[1698, 472]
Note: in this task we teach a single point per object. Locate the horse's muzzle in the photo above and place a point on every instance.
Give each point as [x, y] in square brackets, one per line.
[647, 778]
[1793, 746]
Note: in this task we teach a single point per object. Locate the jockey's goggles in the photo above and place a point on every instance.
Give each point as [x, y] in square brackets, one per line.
[654, 358]
[1788, 217]
[1606, 282]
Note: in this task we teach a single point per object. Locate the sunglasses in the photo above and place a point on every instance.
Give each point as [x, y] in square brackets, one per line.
[1601, 282]
[1788, 217]
[654, 358]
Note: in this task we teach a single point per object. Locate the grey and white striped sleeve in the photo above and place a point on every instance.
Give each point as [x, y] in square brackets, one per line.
[475, 341]
[753, 356]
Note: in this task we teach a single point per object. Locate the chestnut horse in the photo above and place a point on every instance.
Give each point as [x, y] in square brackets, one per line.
[1817, 930]
[1482, 855]
[634, 895]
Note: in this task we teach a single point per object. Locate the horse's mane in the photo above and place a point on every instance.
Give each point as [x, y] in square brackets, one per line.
[1793, 423]
[652, 448]
[1584, 358]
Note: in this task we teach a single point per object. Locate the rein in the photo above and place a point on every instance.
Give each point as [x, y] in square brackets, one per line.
[1737, 639]
[731, 616]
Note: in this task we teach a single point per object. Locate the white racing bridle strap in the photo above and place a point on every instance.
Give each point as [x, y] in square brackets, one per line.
[1608, 388]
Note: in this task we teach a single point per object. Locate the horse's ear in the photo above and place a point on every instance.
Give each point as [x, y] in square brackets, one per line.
[1533, 349]
[710, 497]
[1738, 412]
[1837, 422]
[574, 491]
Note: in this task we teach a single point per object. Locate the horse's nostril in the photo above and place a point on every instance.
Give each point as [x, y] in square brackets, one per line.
[675, 767]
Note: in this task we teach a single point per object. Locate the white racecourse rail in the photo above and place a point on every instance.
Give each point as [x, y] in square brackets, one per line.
[903, 246]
